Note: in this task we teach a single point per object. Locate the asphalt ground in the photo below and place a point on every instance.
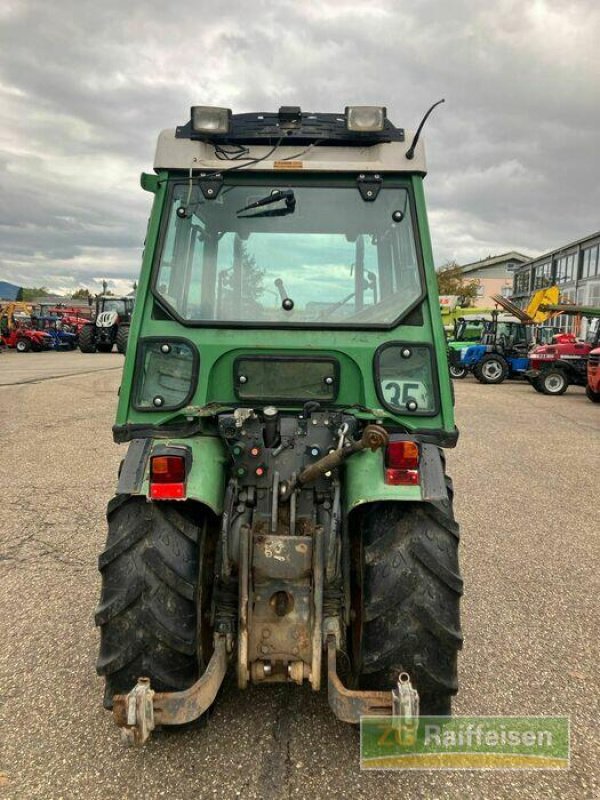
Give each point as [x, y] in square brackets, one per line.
[526, 475]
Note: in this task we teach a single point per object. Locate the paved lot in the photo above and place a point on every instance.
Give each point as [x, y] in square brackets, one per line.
[16, 368]
[526, 473]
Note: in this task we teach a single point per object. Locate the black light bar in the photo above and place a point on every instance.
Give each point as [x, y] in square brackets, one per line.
[358, 126]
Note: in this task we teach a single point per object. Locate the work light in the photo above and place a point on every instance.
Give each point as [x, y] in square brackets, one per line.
[365, 118]
[208, 119]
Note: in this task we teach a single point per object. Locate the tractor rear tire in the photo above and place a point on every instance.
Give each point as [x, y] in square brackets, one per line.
[87, 340]
[491, 369]
[151, 591]
[23, 346]
[592, 395]
[407, 590]
[122, 337]
[554, 381]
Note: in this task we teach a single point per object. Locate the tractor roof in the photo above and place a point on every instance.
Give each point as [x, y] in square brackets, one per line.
[313, 142]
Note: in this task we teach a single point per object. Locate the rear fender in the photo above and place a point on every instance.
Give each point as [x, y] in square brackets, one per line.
[206, 467]
[575, 370]
[364, 479]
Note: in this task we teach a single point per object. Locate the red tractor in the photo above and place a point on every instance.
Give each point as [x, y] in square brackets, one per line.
[592, 389]
[24, 339]
[553, 367]
[73, 316]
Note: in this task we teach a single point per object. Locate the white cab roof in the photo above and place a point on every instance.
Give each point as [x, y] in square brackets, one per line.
[185, 154]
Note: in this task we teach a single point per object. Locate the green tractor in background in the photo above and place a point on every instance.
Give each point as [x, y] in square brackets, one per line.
[286, 400]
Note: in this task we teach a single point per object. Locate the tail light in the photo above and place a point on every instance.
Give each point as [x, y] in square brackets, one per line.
[167, 478]
[402, 464]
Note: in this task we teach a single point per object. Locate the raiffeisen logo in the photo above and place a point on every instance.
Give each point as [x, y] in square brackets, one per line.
[465, 743]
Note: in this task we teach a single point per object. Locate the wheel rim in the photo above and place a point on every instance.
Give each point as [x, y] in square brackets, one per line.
[554, 383]
[457, 372]
[491, 370]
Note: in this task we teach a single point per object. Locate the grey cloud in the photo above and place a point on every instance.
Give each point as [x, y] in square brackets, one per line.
[85, 88]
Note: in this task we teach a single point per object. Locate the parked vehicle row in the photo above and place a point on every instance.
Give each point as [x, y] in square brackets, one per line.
[496, 347]
[64, 328]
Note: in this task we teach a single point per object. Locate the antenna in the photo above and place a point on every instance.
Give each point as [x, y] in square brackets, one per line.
[410, 153]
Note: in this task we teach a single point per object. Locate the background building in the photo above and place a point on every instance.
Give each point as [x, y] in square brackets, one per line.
[574, 267]
[495, 276]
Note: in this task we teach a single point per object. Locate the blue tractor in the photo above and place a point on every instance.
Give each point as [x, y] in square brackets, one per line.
[502, 352]
[62, 339]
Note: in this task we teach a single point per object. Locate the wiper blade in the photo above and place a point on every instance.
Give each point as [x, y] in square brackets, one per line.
[274, 197]
[274, 212]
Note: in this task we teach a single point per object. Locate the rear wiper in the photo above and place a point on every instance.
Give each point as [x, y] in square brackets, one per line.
[274, 197]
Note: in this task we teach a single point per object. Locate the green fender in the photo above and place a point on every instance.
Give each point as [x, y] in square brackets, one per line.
[206, 473]
[364, 480]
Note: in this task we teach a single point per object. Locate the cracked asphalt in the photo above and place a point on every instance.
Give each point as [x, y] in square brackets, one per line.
[526, 474]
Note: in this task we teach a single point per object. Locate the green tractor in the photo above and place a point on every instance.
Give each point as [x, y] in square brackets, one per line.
[283, 504]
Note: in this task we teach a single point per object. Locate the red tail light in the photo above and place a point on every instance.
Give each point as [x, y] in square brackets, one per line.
[167, 478]
[402, 464]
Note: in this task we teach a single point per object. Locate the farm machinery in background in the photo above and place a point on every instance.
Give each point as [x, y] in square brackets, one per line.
[109, 326]
[592, 389]
[16, 330]
[568, 360]
[503, 341]
[63, 337]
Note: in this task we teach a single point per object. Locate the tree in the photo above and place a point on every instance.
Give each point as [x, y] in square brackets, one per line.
[81, 294]
[34, 291]
[451, 281]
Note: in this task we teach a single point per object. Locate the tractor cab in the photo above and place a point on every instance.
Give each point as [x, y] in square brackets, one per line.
[121, 306]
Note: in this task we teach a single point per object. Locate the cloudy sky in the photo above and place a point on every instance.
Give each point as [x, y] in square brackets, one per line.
[513, 155]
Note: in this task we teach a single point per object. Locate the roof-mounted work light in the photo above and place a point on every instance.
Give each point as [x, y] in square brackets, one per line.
[208, 119]
[365, 119]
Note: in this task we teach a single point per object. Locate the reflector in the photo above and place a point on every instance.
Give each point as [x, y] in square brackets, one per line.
[402, 477]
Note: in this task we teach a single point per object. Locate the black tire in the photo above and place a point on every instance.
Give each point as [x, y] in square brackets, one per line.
[491, 369]
[592, 395]
[535, 382]
[458, 373]
[122, 337]
[87, 339]
[23, 346]
[149, 625]
[554, 381]
[407, 590]
[104, 347]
